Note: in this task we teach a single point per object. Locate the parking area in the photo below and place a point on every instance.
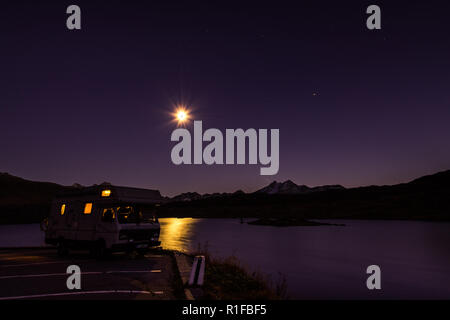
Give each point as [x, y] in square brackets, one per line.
[41, 274]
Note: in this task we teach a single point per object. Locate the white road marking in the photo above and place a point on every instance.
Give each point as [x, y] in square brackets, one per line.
[82, 273]
[134, 271]
[31, 264]
[80, 293]
[38, 263]
[41, 275]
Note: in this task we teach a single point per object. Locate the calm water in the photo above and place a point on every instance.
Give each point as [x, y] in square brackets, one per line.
[329, 262]
[325, 262]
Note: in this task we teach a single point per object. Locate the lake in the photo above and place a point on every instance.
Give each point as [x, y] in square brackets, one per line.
[320, 262]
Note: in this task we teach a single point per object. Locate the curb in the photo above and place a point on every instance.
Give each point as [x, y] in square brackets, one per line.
[184, 267]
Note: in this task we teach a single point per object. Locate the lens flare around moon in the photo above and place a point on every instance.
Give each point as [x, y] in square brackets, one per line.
[181, 115]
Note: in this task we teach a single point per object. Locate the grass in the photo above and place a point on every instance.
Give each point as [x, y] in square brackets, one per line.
[229, 279]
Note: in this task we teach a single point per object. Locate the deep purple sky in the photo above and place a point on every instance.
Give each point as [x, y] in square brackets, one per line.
[92, 105]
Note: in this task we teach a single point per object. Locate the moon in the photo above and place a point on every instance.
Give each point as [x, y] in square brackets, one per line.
[181, 115]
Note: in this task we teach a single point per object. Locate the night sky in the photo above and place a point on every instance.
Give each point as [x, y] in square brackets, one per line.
[354, 106]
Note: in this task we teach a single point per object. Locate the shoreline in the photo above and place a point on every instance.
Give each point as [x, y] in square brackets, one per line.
[286, 222]
[15, 223]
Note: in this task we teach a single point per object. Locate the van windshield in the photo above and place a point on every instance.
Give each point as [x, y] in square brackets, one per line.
[135, 214]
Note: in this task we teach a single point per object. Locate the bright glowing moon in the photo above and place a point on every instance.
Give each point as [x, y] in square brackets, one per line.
[181, 115]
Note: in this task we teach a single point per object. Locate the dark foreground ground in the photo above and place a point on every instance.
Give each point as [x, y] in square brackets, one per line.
[41, 274]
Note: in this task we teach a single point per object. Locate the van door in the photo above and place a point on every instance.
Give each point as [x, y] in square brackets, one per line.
[106, 227]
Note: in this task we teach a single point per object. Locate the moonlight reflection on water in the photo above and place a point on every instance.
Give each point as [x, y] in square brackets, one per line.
[176, 234]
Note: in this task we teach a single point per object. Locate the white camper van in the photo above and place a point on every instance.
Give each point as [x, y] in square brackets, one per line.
[104, 218]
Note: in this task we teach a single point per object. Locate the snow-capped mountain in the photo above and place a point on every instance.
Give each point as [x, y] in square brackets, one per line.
[187, 196]
[289, 187]
[286, 187]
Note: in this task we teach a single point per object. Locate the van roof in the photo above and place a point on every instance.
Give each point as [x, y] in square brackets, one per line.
[116, 193]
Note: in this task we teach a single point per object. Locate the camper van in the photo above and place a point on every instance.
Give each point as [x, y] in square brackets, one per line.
[104, 218]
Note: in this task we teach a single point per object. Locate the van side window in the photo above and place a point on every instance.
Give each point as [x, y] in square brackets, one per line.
[108, 215]
[63, 209]
[126, 214]
[88, 208]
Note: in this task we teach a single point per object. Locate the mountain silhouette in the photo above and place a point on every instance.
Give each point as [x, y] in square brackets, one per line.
[289, 187]
[426, 198]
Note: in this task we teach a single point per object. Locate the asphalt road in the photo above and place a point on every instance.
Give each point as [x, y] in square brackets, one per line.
[42, 274]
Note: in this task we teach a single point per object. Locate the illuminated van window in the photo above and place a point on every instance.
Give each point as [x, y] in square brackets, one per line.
[108, 215]
[88, 208]
[63, 209]
[106, 193]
